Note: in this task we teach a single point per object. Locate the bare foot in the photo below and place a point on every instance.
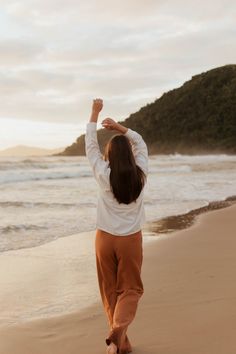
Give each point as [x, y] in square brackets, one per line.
[112, 348]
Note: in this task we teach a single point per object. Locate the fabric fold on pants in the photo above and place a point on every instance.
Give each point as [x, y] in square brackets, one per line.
[119, 261]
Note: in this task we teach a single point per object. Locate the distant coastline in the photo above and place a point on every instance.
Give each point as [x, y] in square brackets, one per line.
[24, 150]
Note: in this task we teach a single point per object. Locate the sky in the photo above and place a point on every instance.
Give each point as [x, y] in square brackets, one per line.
[56, 56]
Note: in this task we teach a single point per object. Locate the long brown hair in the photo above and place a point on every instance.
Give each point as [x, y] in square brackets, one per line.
[126, 178]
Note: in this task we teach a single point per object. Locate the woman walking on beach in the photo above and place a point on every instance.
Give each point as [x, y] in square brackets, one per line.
[121, 176]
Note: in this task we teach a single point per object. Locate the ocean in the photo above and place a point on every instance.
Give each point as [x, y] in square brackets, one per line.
[44, 198]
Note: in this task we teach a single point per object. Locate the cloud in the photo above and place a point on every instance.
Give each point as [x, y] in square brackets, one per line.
[55, 56]
[18, 52]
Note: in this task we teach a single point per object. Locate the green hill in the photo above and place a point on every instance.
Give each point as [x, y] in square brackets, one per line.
[197, 118]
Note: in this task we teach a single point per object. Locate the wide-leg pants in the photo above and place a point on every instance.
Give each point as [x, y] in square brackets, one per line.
[119, 261]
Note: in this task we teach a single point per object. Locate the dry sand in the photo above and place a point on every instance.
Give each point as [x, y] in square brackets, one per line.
[189, 304]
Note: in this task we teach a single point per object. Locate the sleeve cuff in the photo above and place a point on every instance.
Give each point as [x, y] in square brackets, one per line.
[91, 126]
[129, 133]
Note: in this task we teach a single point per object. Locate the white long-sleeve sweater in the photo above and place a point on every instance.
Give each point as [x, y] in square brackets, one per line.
[116, 218]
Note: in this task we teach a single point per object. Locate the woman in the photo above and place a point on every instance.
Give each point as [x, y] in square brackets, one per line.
[121, 177]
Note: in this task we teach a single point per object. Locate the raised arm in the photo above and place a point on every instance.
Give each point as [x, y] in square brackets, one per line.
[139, 146]
[92, 149]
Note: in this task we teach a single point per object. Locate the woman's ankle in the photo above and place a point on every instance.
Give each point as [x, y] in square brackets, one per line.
[112, 348]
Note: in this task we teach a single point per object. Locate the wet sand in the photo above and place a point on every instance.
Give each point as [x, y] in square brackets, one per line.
[189, 304]
[183, 221]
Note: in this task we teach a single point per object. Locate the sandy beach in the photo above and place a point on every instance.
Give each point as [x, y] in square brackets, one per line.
[189, 304]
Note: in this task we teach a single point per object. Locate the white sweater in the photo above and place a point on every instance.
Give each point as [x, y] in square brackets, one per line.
[117, 219]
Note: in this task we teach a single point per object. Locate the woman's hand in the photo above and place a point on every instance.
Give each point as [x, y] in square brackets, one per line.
[96, 109]
[110, 124]
[97, 105]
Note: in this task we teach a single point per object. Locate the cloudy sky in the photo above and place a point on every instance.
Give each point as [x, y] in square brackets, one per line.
[57, 55]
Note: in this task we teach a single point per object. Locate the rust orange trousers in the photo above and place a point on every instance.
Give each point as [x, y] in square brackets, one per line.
[119, 262]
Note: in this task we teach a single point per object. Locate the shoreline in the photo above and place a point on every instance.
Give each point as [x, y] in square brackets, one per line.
[52, 279]
[57, 297]
[174, 223]
[188, 304]
[155, 228]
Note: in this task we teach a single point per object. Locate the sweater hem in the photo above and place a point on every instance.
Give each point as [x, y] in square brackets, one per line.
[120, 235]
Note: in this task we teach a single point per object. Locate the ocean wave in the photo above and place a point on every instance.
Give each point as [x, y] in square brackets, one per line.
[20, 227]
[22, 204]
[37, 166]
[201, 157]
[22, 176]
[219, 166]
[170, 169]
